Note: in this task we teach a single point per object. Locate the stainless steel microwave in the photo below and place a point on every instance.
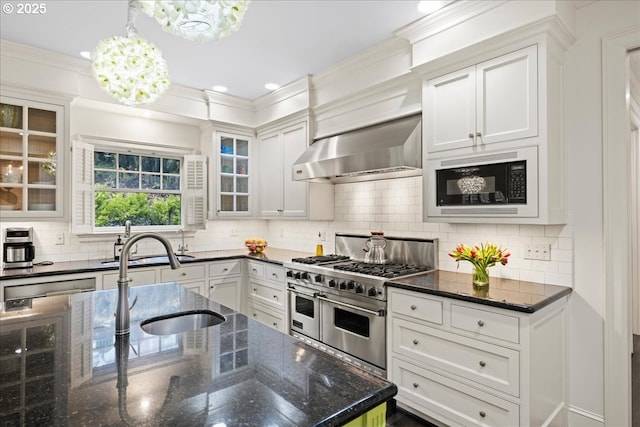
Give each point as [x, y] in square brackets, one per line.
[489, 185]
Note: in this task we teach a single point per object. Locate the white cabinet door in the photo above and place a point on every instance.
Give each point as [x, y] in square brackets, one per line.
[450, 110]
[271, 186]
[506, 94]
[494, 101]
[226, 292]
[294, 142]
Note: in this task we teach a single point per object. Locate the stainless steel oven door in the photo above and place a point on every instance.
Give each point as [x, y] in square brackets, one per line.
[354, 329]
[304, 312]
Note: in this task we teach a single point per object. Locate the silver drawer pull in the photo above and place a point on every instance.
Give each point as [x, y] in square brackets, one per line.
[415, 385]
[275, 297]
[275, 324]
[254, 270]
[255, 315]
[480, 323]
[415, 342]
[413, 307]
[482, 363]
[482, 414]
[225, 269]
[274, 275]
[255, 290]
[184, 274]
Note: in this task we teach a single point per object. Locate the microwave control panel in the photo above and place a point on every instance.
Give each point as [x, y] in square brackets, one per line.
[517, 182]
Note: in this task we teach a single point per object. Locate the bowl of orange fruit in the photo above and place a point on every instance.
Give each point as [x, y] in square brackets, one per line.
[255, 245]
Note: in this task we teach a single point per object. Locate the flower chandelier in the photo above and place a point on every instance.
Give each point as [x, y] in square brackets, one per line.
[130, 68]
[197, 20]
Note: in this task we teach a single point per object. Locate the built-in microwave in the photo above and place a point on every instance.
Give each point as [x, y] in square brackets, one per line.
[491, 185]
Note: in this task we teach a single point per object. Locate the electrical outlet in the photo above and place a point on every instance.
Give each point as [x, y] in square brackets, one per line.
[322, 235]
[540, 252]
[60, 239]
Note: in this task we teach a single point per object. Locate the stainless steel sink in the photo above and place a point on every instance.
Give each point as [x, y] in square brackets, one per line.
[184, 321]
[151, 259]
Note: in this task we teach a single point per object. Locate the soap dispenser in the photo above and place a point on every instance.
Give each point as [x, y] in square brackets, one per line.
[117, 248]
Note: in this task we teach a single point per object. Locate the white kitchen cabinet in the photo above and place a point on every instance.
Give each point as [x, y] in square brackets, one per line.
[471, 364]
[233, 174]
[279, 196]
[225, 283]
[267, 297]
[137, 276]
[191, 277]
[31, 159]
[493, 101]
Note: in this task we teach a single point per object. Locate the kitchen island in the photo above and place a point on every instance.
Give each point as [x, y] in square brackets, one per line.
[61, 365]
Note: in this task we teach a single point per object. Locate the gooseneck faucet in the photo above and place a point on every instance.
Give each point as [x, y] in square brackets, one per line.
[122, 310]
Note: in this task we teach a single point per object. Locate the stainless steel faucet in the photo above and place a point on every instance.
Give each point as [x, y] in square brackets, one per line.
[182, 248]
[127, 229]
[122, 310]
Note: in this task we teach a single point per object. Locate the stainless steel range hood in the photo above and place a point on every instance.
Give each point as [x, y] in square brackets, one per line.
[387, 150]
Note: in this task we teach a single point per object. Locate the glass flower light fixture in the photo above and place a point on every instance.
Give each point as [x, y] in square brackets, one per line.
[197, 20]
[130, 68]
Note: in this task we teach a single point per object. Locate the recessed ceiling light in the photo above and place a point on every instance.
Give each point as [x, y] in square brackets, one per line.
[85, 54]
[220, 88]
[272, 86]
[430, 6]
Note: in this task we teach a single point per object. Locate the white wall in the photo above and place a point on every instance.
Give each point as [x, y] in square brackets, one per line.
[395, 206]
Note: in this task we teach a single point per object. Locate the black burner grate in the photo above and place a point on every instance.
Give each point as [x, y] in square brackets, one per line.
[381, 270]
[315, 260]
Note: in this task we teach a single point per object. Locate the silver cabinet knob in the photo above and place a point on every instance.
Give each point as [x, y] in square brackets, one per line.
[471, 135]
[224, 270]
[413, 307]
[416, 385]
[480, 323]
[482, 414]
[479, 134]
[482, 363]
[415, 342]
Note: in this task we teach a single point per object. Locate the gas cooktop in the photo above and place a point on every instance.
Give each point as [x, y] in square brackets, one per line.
[382, 270]
[322, 259]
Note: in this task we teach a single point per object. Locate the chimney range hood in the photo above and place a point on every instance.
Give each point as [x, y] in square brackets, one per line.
[391, 149]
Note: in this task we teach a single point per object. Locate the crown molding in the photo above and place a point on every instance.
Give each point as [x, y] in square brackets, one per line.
[445, 18]
[288, 91]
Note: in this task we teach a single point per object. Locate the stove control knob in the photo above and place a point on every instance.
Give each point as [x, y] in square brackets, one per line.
[359, 289]
[318, 278]
[289, 273]
[351, 284]
[305, 276]
[373, 292]
[343, 285]
[297, 275]
[332, 283]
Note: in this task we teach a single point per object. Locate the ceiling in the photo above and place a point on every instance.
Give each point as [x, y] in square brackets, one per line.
[279, 41]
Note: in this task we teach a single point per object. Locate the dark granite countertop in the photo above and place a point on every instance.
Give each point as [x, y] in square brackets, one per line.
[272, 255]
[60, 366]
[504, 293]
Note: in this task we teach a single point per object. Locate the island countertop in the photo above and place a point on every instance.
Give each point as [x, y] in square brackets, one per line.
[62, 365]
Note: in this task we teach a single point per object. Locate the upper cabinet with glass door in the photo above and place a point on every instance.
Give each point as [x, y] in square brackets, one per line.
[31, 141]
[234, 173]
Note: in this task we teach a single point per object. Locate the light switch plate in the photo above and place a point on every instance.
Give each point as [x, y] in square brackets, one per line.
[540, 252]
[60, 239]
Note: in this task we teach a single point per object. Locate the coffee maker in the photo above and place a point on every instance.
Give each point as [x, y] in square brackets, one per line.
[18, 250]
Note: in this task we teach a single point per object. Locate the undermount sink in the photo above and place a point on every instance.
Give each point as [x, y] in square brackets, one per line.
[150, 259]
[184, 321]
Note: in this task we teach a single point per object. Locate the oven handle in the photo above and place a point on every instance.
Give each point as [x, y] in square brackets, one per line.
[293, 289]
[379, 313]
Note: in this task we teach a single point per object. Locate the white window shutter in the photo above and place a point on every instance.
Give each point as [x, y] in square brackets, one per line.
[82, 212]
[195, 191]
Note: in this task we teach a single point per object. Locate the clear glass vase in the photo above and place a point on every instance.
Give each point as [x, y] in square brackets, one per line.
[480, 279]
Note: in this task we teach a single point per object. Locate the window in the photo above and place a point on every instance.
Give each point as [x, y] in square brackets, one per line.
[154, 187]
[144, 189]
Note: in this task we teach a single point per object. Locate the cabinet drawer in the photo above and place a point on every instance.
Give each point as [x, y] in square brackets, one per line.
[416, 306]
[268, 317]
[144, 277]
[274, 273]
[225, 268]
[472, 360]
[184, 273]
[449, 401]
[267, 295]
[485, 323]
[256, 269]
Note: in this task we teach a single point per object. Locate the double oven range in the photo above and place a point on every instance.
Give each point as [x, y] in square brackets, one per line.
[338, 303]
